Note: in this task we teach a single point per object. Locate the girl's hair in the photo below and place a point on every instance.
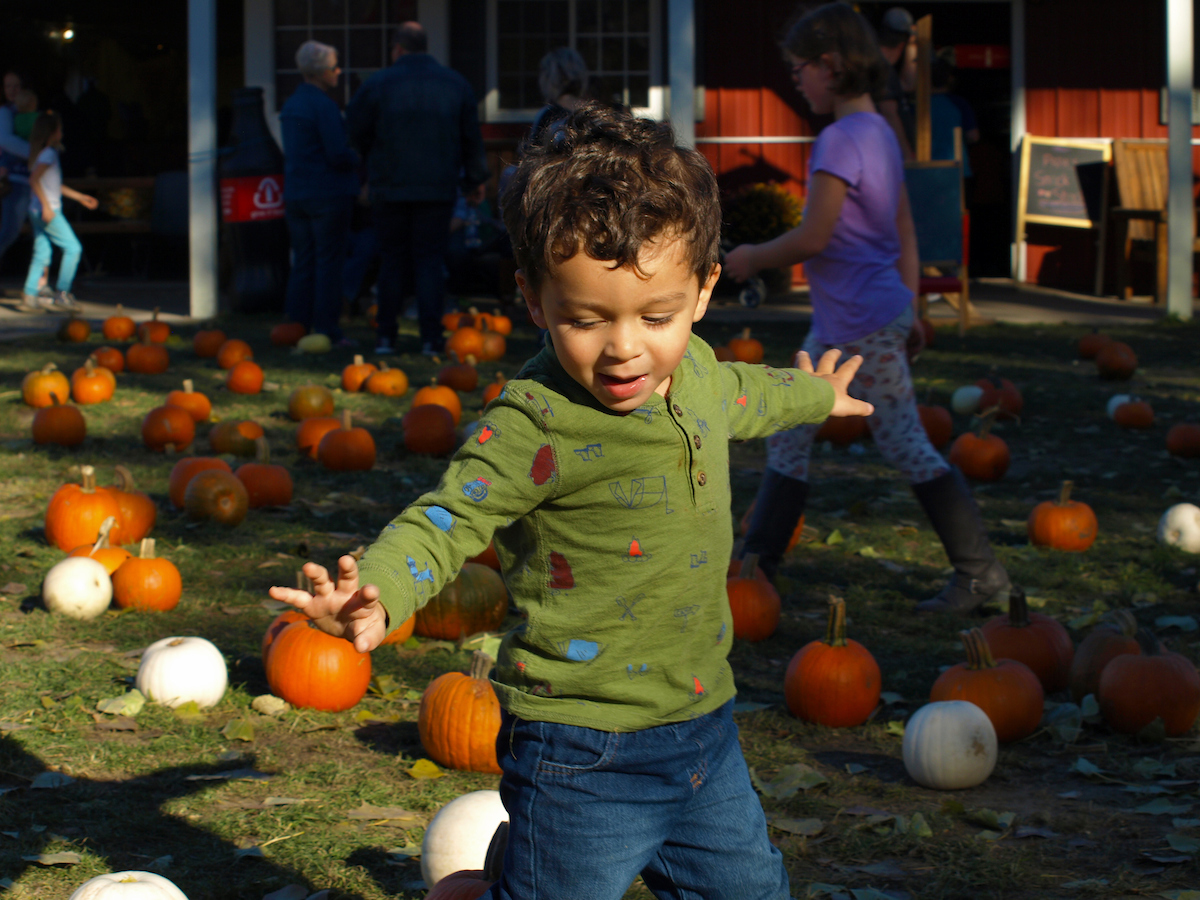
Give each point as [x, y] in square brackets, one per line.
[562, 71]
[837, 28]
[45, 127]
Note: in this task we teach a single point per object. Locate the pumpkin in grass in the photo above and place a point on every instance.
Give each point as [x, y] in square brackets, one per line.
[128, 885]
[459, 719]
[842, 431]
[949, 745]
[207, 343]
[1137, 688]
[245, 377]
[147, 358]
[217, 496]
[92, 383]
[1114, 635]
[402, 632]
[938, 424]
[487, 558]
[111, 358]
[1116, 361]
[1134, 414]
[198, 405]
[59, 424]
[283, 620]
[76, 512]
[982, 456]
[474, 601]
[494, 347]
[287, 334]
[39, 384]
[468, 833]
[1007, 690]
[310, 401]
[442, 396]
[1003, 395]
[185, 470]
[494, 387]
[154, 331]
[74, 330]
[1092, 343]
[464, 342]
[102, 550]
[387, 382]
[356, 374]
[429, 429]
[314, 670]
[724, 354]
[168, 426]
[147, 581]
[118, 327]
[1062, 523]
[310, 432]
[834, 682]
[232, 352]
[267, 483]
[753, 602]
[138, 511]
[1039, 641]
[501, 324]
[236, 437]
[347, 448]
[1183, 440]
[745, 348]
[461, 376]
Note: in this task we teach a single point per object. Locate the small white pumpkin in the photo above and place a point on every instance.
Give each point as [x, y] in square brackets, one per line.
[314, 343]
[178, 670]
[1117, 400]
[130, 885]
[1180, 527]
[965, 400]
[949, 744]
[459, 835]
[78, 587]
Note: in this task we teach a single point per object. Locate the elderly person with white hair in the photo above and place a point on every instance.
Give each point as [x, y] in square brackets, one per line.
[563, 80]
[320, 183]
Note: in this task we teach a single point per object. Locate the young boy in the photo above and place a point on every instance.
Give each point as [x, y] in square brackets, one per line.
[603, 471]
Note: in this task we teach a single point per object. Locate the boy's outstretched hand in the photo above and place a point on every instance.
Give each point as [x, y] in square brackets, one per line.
[340, 608]
[838, 376]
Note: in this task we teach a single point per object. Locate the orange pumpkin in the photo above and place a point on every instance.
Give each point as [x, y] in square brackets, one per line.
[1063, 524]
[487, 558]
[147, 358]
[185, 470]
[267, 483]
[1006, 690]
[284, 619]
[939, 426]
[147, 581]
[746, 348]
[1092, 343]
[91, 383]
[1114, 635]
[1003, 395]
[218, 496]
[494, 346]
[74, 330]
[198, 406]
[492, 391]
[501, 323]
[1116, 361]
[76, 512]
[245, 377]
[310, 432]
[474, 601]
[232, 352]
[314, 670]
[1183, 440]
[401, 633]
[58, 424]
[442, 396]
[118, 327]
[753, 602]
[154, 331]
[347, 449]
[207, 343]
[39, 385]
[355, 374]
[102, 551]
[1137, 688]
[1037, 640]
[310, 401]
[111, 358]
[985, 456]
[429, 429]
[462, 376]
[168, 426]
[1134, 414]
[464, 342]
[387, 382]
[138, 511]
[834, 682]
[842, 431]
[235, 437]
[459, 719]
[724, 354]
[286, 334]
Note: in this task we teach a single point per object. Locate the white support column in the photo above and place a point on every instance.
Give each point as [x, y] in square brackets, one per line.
[1017, 122]
[202, 156]
[1180, 209]
[258, 56]
[434, 16]
[681, 52]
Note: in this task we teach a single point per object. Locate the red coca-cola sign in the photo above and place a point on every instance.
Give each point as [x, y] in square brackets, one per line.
[252, 198]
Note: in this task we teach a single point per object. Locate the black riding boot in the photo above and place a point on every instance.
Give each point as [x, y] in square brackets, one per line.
[978, 575]
[777, 508]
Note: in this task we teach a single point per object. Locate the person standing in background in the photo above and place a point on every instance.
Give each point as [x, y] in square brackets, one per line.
[319, 187]
[418, 126]
[14, 156]
[898, 44]
[563, 80]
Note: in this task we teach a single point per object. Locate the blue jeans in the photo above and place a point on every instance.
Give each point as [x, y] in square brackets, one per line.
[59, 233]
[318, 228]
[412, 244]
[590, 810]
[13, 210]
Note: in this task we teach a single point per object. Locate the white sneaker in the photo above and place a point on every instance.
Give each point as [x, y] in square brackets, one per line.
[35, 303]
[64, 301]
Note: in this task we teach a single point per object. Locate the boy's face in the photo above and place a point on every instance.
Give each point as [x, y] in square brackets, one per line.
[619, 332]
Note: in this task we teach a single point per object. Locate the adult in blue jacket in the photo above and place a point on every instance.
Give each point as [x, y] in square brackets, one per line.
[14, 157]
[319, 186]
[417, 124]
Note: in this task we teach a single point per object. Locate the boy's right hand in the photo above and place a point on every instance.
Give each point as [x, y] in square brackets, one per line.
[340, 608]
[839, 377]
[47, 215]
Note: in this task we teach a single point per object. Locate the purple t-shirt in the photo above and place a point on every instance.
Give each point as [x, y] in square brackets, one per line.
[855, 285]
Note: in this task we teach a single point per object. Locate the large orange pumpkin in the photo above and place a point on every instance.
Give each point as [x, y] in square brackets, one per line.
[111, 358]
[92, 383]
[245, 377]
[217, 496]
[1003, 395]
[1092, 343]
[147, 581]
[310, 401]
[355, 374]
[1006, 690]
[119, 327]
[474, 601]
[1115, 635]
[232, 352]
[185, 470]
[314, 670]
[102, 551]
[401, 632]
[198, 405]
[834, 682]
[1134, 414]
[985, 456]
[168, 426]
[464, 342]
[1037, 640]
[1183, 440]
[347, 448]
[154, 331]
[753, 602]
[429, 429]
[387, 382]
[267, 483]
[284, 619]
[745, 348]
[235, 437]
[442, 396]
[138, 511]
[494, 347]
[1063, 524]
[74, 330]
[310, 432]
[1136, 689]
[1116, 361]
[147, 358]
[459, 719]
[842, 431]
[206, 344]
[59, 424]
[938, 425]
[38, 385]
[76, 512]
[492, 391]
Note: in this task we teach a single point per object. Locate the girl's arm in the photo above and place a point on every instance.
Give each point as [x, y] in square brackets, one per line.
[826, 194]
[87, 200]
[35, 184]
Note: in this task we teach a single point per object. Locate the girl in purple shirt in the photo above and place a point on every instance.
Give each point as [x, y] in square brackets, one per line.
[859, 248]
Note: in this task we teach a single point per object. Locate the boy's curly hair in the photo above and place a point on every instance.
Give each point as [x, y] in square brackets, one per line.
[604, 182]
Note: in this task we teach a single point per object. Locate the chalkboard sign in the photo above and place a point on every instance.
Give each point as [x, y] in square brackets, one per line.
[1063, 181]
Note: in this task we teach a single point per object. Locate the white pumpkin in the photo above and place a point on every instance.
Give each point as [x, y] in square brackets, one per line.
[965, 400]
[1117, 400]
[314, 343]
[130, 885]
[1180, 527]
[459, 835]
[78, 587]
[178, 670]
[949, 744]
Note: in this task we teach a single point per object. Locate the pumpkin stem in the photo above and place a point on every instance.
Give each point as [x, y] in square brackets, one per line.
[981, 658]
[749, 564]
[1064, 493]
[262, 449]
[481, 665]
[154, 318]
[188, 386]
[500, 377]
[89, 366]
[835, 633]
[346, 419]
[473, 310]
[89, 479]
[147, 549]
[746, 333]
[1148, 642]
[102, 541]
[383, 366]
[1124, 621]
[54, 399]
[358, 359]
[48, 368]
[1018, 608]
[470, 360]
[987, 420]
[124, 478]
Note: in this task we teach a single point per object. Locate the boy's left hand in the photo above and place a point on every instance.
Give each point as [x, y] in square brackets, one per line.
[739, 262]
[839, 377]
[88, 201]
[340, 607]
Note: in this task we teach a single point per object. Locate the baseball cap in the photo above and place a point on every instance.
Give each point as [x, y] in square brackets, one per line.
[897, 19]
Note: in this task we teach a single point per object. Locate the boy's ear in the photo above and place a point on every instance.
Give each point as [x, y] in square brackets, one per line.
[706, 291]
[532, 300]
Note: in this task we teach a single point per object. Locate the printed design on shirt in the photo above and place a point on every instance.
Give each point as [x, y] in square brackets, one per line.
[762, 405]
[543, 690]
[698, 368]
[644, 493]
[635, 673]
[486, 432]
[721, 634]
[628, 605]
[441, 518]
[701, 424]
[540, 403]
[648, 412]
[590, 452]
[698, 559]
[579, 650]
[741, 401]
[544, 467]
[782, 377]
[418, 574]
[697, 690]
[477, 490]
[635, 552]
[685, 613]
[561, 577]
[521, 667]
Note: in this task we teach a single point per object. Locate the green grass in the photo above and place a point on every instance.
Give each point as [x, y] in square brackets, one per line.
[131, 803]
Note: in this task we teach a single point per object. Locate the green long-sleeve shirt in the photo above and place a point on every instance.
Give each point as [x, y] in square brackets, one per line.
[613, 531]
